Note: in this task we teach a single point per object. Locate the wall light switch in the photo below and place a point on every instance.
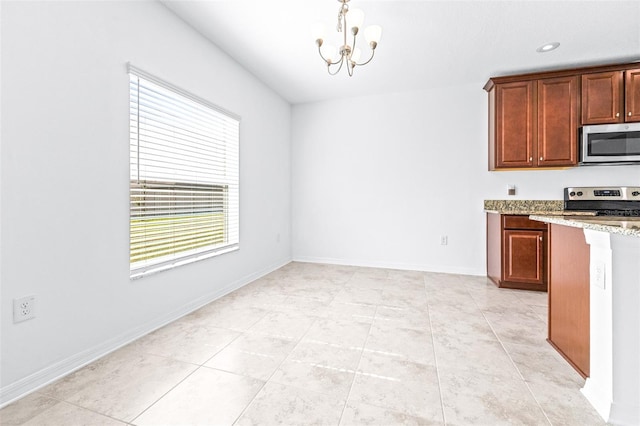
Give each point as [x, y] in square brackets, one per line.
[511, 189]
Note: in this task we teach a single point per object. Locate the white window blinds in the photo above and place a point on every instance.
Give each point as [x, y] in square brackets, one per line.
[184, 190]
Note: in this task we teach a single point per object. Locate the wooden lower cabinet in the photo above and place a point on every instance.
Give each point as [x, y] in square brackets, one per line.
[523, 256]
[516, 252]
[569, 295]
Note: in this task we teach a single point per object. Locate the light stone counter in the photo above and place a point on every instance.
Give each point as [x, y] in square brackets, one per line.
[523, 206]
[531, 207]
[611, 224]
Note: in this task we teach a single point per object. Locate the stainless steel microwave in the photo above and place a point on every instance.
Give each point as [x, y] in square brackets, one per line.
[610, 144]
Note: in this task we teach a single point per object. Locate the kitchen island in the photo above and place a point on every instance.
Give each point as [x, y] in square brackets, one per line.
[613, 383]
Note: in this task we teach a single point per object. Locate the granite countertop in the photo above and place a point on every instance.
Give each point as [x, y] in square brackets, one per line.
[552, 211]
[612, 224]
[529, 207]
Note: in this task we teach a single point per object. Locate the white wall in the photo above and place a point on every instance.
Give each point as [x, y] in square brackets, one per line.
[377, 180]
[64, 177]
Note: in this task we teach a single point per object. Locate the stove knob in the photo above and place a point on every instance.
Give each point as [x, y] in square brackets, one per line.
[579, 193]
[635, 193]
[572, 193]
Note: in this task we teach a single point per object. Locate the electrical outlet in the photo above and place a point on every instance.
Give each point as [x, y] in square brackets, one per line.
[598, 274]
[24, 308]
[511, 189]
[444, 240]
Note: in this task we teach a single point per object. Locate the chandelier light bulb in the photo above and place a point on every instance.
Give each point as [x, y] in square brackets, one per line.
[318, 30]
[373, 33]
[329, 52]
[355, 18]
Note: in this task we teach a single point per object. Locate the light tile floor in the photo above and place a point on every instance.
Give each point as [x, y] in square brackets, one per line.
[332, 345]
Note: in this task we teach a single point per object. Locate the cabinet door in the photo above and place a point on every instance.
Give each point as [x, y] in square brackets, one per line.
[524, 256]
[558, 121]
[632, 95]
[602, 98]
[514, 124]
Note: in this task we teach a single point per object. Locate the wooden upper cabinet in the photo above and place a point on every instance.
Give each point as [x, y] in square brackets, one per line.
[602, 98]
[534, 118]
[514, 124]
[611, 97]
[536, 123]
[632, 95]
[557, 121]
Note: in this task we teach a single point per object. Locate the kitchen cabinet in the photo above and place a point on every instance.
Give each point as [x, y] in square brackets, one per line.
[557, 121]
[533, 123]
[602, 98]
[516, 252]
[611, 97]
[513, 121]
[569, 295]
[534, 118]
[632, 95]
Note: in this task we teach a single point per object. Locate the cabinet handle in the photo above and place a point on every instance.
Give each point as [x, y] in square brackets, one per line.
[541, 158]
[540, 238]
[629, 114]
[530, 159]
[617, 114]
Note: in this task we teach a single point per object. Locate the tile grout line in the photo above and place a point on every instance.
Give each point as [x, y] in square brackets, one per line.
[346, 400]
[62, 401]
[131, 422]
[496, 334]
[199, 366]
[355, 374]
[435, 357]
[297, 343]
[504, 348]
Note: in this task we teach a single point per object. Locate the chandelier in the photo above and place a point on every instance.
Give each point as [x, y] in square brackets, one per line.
[348, 21]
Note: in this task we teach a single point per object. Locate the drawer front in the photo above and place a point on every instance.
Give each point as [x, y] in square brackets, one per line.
[521, 222]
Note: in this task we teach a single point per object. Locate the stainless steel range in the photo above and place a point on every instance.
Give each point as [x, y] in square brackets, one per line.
[604, 200]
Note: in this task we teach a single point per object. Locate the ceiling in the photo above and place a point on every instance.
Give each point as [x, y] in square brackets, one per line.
[424, 44]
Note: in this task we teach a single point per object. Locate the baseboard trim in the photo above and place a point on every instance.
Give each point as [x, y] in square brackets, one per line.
[624, 414]
[390, 265]
[50, 374]
[598, 396]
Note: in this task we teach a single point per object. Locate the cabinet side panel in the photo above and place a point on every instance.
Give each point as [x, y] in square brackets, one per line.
[494, 247]
[492, 129]
[569, 295]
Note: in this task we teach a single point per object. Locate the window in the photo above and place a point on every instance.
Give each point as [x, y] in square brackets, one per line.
[184, 191]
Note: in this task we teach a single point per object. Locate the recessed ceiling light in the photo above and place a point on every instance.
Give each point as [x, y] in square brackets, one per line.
[548, 47]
